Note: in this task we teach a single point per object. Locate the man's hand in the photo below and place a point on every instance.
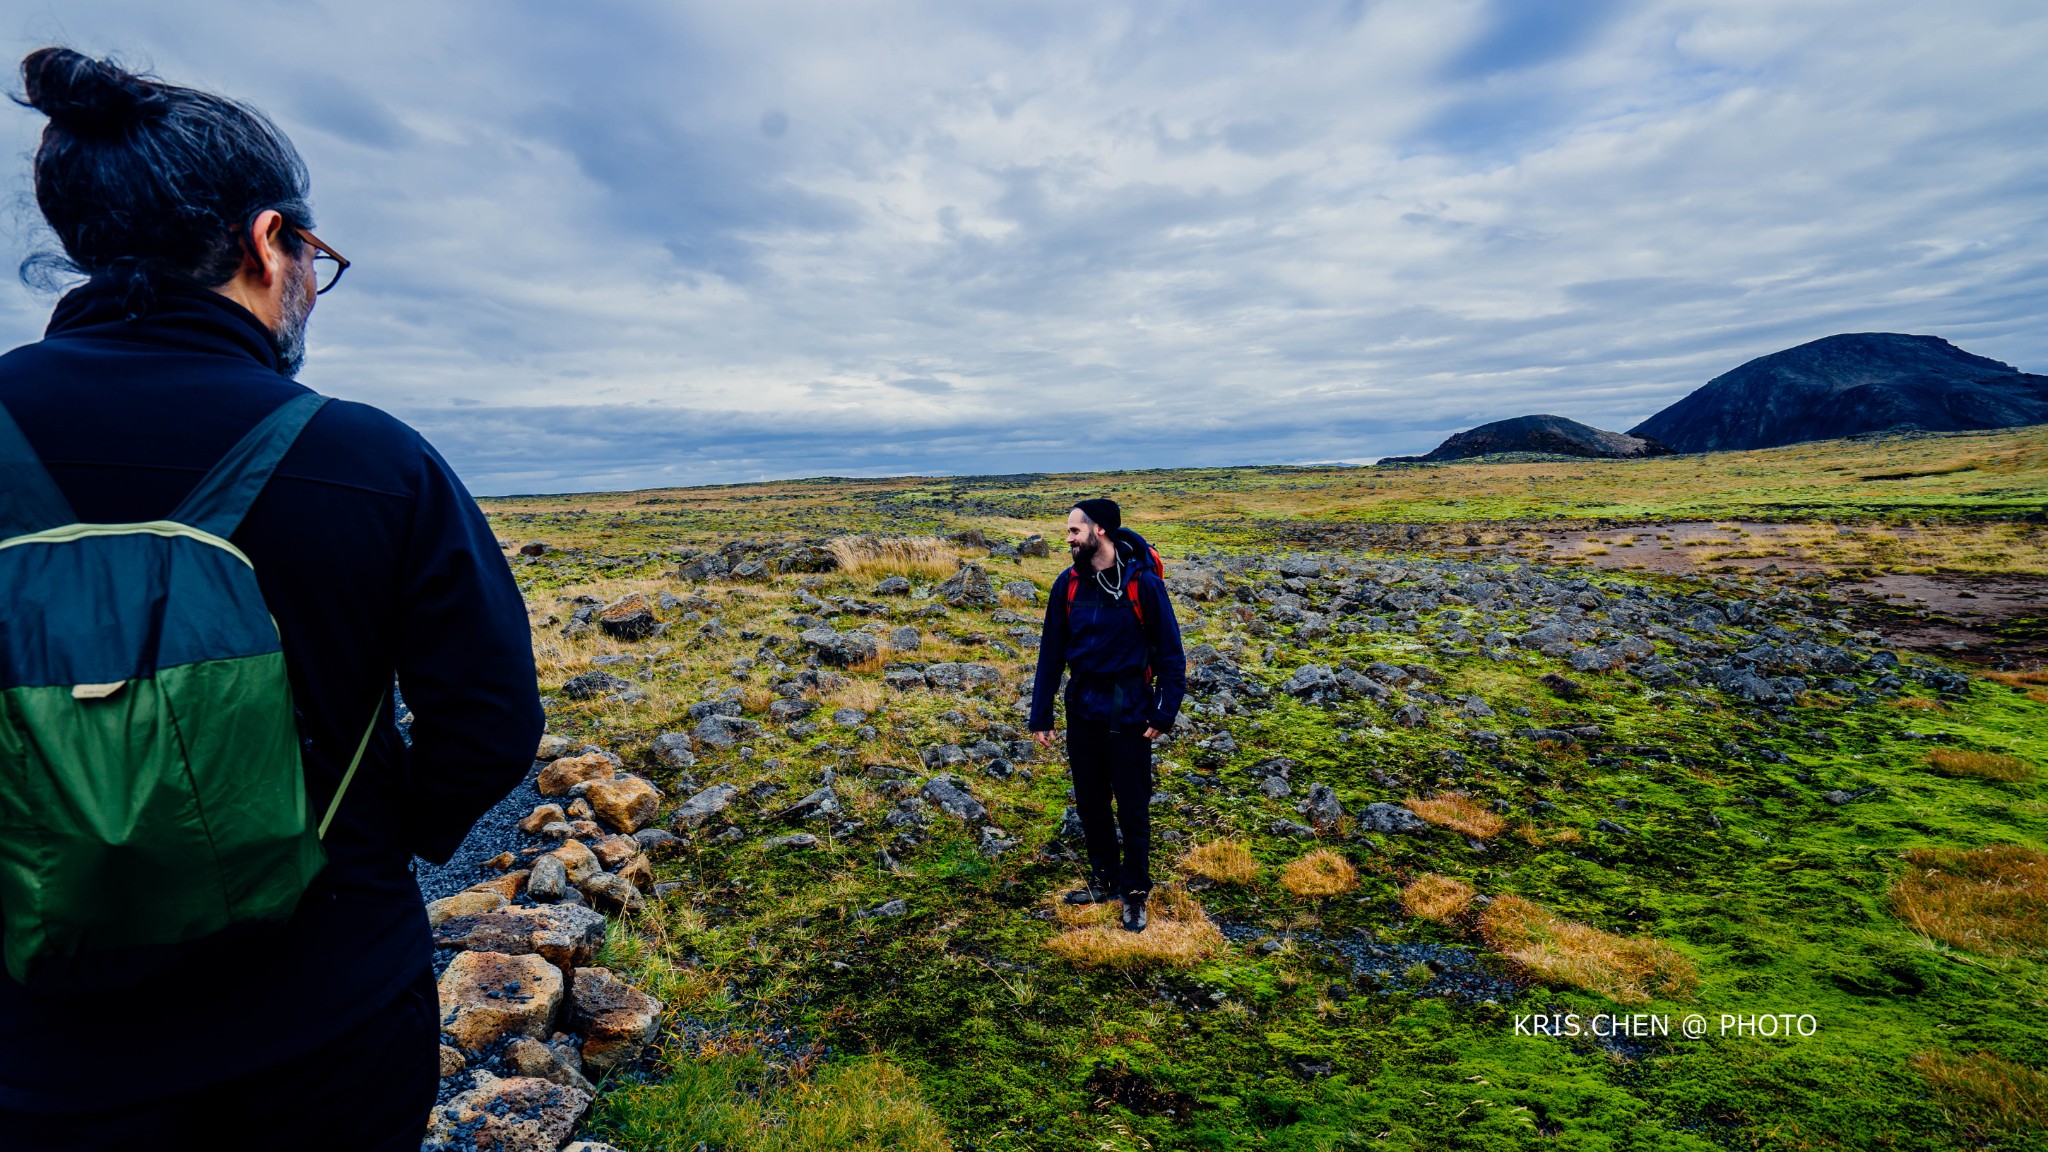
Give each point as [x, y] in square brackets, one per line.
[1153, 733]
[1044, 739]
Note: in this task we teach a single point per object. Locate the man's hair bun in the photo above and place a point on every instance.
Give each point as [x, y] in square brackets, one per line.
[86, 96]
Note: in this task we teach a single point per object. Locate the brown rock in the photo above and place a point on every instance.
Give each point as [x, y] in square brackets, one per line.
[508, 1114]
[486, 996]
[627, 803]
[612, 851]
[615, 1019]
[451, 1061]
[557, 778]
[579, 860]
[530, 1057]
[630, 617]
[612, 891]
[553, 748]
[587, 829]
[638, 872]
[580, 809]
[462, 904]
[541, 817]
[510, 885]
[502, 862]
[564, 934]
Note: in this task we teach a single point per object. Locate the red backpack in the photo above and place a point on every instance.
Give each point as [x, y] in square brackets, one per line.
[1158, 567]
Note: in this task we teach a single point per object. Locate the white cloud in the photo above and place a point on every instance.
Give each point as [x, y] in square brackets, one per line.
[648, 244]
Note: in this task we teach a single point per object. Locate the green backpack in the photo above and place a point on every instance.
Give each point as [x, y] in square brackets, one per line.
[150, 785]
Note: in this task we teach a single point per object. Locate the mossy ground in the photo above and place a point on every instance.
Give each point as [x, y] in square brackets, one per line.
[797, 1025]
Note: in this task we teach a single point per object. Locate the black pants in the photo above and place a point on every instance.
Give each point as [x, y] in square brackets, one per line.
[1115, 765]
[368, 1090]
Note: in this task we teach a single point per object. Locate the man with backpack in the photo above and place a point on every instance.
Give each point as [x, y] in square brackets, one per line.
[1108, 618]
[212, 937]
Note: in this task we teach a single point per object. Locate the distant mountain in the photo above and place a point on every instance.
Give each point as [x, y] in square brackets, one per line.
[1847, 385]
[1554, 435]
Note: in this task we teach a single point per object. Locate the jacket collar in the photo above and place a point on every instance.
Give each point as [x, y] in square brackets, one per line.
[183, 316]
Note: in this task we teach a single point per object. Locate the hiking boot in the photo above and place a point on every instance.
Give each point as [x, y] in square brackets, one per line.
[1134, 911]
[1089, 895]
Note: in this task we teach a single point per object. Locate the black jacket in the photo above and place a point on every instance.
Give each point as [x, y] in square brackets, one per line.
[374, 561]
[1099, 635]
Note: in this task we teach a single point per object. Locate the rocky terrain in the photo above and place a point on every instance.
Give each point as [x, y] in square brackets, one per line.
[1850, 385]
[1543, 435]
[787, 872]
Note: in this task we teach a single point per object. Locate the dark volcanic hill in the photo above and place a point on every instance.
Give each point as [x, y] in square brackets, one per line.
[1550, 434]
[1846, 385]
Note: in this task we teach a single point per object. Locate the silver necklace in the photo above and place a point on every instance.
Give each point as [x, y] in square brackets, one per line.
[1115, 592]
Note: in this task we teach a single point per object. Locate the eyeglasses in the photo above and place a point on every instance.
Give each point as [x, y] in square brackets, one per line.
[328, 265]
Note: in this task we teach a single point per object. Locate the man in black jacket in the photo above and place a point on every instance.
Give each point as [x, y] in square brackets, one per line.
[1108, 617]
[187, 213]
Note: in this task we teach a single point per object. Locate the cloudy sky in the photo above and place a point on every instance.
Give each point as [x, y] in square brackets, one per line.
[605, 245]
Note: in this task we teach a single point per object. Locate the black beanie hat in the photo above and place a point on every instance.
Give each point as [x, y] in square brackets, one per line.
[1104, 512]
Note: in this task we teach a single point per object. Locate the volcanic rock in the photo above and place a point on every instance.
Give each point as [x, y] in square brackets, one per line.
[486, 996]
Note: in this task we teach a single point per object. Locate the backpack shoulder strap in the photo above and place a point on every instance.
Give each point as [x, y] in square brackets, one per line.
[29, 498]
[223, 496]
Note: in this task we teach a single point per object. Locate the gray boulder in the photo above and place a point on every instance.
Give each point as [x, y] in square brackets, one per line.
[836, 647]
[1323, 808]
[697, 809]
[721, 731]
[593, 684]
[1390, 818]
[958, 677]
[1310, 679]
[968, 588]
[947, 794]
[673, 750]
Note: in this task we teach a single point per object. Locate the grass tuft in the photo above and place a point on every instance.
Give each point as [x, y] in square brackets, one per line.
[1986, 1096]
[1993, 901]
[1319, 874]
[1982, 765]
[861, 1105]
[1625, 969]
[1224, 861]
[1457, 811]
[1434, 897]
[921, 556]
[1179, 934]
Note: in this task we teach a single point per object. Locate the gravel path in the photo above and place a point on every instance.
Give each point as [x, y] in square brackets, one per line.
[496, 831]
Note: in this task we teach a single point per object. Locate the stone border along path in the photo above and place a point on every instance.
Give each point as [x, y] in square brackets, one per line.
[525, 1024]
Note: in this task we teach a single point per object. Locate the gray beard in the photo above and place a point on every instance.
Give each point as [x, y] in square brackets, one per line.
[290, 338]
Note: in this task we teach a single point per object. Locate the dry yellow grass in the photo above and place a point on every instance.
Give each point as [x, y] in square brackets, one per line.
[1224, 861]
[2018, 679]
[1434, 897]
[1991, 900]
[866, 695]
[1460, 812]
[1179, 934]
[1985, 1095]
[1319, 874]
[1982, 765]
[1921, 703]
[925, 556]
[1625, 969]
